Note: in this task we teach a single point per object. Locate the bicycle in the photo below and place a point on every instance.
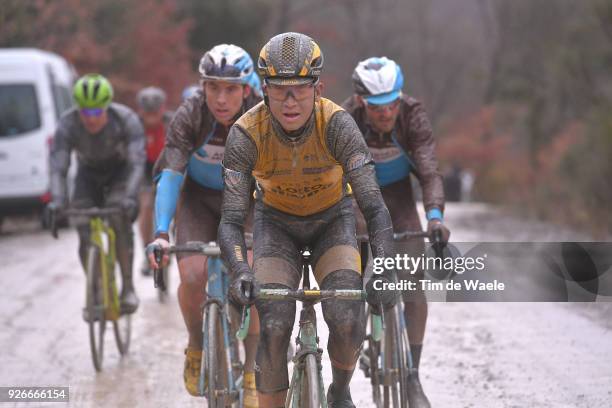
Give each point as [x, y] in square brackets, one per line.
[387, 359]
[306, 388]
[221, 372]
[102, 302]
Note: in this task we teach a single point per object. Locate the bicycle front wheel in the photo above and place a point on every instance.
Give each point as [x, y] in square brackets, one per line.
[212, 357]
[94, 307]
[123, 332]
[162, 294]
[396, 357]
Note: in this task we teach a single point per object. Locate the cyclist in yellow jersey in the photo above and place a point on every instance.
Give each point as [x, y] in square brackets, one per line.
[301, 149]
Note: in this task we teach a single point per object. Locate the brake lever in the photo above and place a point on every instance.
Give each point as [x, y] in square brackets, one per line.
[437, 243]
[158, 276]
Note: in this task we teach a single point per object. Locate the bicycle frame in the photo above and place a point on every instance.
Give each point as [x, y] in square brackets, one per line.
[108, 257]
[307, 343]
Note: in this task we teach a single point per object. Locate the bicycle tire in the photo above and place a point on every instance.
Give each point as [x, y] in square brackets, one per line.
[395, 394]
[372, 352]
[212, 356]
[162, 293]
[402, 351]
[123, 333]
[95, 307]
[392, 345]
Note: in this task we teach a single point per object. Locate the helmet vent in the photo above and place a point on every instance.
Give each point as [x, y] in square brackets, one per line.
[96, 89]
[288, 51]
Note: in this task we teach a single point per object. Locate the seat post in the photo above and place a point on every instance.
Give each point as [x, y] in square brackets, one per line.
[305, 268]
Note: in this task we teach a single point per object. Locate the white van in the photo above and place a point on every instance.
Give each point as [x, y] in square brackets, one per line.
[35, 89]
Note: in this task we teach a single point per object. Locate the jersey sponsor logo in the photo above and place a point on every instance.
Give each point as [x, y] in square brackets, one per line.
[316, 170]
[303, 191]
[386, 154]
[210, 154]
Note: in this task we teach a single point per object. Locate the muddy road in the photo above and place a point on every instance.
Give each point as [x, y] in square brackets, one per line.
[475, 355]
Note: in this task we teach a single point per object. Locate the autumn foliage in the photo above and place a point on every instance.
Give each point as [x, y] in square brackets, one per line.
[134, 43]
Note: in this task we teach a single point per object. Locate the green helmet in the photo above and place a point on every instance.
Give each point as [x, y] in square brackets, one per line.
[92, 91]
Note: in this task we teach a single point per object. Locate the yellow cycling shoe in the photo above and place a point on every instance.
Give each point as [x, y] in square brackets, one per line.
[191, 373]
[250, 391]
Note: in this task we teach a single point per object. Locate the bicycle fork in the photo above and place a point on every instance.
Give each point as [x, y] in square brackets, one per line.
[307, 344]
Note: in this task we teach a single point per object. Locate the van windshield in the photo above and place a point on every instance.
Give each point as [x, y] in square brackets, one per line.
[18, 109]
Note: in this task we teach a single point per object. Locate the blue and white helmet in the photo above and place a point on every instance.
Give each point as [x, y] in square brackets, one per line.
[189, 91]
[378, 80]
[226, 62]
[255, 84]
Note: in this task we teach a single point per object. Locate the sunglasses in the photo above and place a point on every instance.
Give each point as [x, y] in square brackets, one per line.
[282, 92]
[379, 108]
[92, 112]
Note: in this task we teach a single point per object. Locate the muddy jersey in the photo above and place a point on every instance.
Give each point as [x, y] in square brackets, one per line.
[204, 166]
[195, 145]
[391, 162]
[120, 143]
[299, 178]
[195, 142]
[410, 147]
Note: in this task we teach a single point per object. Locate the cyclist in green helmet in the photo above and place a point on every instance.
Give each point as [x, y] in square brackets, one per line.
[110, 145]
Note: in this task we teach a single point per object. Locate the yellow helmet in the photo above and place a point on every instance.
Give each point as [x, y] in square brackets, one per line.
[290, 59]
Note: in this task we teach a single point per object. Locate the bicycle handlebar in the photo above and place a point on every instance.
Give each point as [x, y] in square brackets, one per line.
[197, 247]
[82, 212]
[309, 295]
[436, 240]
[92, 212]
[398, 236]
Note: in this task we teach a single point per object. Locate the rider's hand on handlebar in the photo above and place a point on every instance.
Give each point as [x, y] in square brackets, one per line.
[376, 296]
[244, 289]
[435, 227]
[160, 244]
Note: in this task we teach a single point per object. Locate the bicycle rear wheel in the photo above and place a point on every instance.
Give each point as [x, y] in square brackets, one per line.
[94, 304]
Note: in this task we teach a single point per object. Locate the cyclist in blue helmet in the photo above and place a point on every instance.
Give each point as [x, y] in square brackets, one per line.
[189, 172]
[399, 137]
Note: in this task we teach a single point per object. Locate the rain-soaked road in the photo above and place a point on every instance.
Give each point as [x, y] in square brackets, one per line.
[476, 355]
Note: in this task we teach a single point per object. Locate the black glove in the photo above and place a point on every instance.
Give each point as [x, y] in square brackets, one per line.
[436, 229]
[376, 296]
[244, 289]
[130, 208]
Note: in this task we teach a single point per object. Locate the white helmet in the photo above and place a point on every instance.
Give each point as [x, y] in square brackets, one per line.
[378, 80]
[226, 62]
[151, 99]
